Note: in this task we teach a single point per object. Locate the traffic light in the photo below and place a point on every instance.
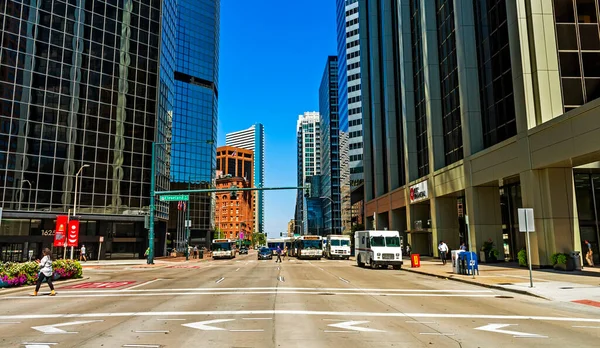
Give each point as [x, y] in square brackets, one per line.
[307, 190]
[280, 234]
[233, 194]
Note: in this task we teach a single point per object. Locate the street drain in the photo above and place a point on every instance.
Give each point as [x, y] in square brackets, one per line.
[326, 293]
[503, 296]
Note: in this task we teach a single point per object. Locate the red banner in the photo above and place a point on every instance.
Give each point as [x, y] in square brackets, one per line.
[60, 236]
[73, 234]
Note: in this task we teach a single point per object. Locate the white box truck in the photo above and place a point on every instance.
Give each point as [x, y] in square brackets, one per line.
[378, 249]
[337, 246]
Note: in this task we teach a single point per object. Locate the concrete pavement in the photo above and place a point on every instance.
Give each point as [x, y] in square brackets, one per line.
[249, 303]
[547, 283]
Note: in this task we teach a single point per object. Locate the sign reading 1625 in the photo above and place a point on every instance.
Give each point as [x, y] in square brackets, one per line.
[48, 232]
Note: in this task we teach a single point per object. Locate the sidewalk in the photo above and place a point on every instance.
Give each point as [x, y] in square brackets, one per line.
[547, 283]
[138, 262]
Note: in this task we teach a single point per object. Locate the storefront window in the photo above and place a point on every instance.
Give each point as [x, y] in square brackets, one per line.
[585, 199]
[14, 227]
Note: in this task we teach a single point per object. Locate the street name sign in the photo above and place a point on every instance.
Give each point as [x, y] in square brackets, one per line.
[174, 198]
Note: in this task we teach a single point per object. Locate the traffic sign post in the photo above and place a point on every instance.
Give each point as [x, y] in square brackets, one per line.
[527, 224]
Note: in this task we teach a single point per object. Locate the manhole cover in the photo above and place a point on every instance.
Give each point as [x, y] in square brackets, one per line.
[502, 296]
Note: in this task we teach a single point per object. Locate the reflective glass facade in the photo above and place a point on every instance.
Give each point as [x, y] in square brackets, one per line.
[495, 71]
[78, 85]
[419, 88]
[330, 147]
[578, 39]
[194, 123]
[453, 143]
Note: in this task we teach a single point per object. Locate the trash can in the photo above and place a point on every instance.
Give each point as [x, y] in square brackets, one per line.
[469, 262]
[574, 261]
[415, 260]
[456, 260]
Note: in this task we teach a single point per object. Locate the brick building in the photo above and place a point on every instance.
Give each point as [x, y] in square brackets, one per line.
[234, 214]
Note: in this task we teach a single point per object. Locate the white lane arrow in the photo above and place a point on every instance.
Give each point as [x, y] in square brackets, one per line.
[53, 329]
[496, 328]
[349, 325]
[204, 325]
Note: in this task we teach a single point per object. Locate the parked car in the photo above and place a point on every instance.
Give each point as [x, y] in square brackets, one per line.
[243, 250]
[264, 253]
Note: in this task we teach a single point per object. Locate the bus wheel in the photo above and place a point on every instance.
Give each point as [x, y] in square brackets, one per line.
[359, 263]
[397, 267]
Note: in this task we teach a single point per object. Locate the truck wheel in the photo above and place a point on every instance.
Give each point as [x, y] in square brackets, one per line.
[359, 263]
[373, 265]
[397, 267]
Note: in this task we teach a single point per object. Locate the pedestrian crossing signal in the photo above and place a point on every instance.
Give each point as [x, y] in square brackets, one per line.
[307, 190]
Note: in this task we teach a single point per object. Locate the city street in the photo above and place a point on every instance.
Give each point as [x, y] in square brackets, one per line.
[249, 303]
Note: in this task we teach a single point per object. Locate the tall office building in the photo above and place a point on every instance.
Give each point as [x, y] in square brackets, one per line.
[194, 118]
[349, 82]
[345, 190]
[308, 140]
[479, 108]
[330, 148]
[253, 139]
[78, 94]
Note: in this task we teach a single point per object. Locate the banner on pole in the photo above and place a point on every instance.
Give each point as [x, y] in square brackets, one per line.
[60, 236]
[73, 234]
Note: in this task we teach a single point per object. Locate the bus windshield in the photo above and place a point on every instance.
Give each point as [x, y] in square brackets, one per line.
[312, 244]
[378, 241]
[221, 246]
[392, 241]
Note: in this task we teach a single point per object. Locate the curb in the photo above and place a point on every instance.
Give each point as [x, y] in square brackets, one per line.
[490, 286]
[7, 291]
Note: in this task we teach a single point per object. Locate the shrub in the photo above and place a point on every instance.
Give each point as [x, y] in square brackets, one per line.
[18, 274]
[522, 256]
[559, 259]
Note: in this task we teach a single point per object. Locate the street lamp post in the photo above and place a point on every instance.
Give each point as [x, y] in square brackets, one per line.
[75, 198]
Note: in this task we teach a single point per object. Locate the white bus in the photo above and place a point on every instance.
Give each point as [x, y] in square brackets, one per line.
[273, 243]
[378, 248]
[337, 245]
[308, 247]
[223, 249]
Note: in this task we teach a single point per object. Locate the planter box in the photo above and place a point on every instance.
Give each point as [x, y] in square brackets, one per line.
[560, 267]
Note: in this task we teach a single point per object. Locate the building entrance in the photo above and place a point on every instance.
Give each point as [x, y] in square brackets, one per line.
[587, 192]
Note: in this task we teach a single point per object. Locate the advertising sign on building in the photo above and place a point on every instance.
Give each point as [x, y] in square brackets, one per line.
[418, 192]
[61, 230]
[73, 234]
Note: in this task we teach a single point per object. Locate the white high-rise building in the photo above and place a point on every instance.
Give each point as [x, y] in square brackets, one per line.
[253, 139]
[308, 138]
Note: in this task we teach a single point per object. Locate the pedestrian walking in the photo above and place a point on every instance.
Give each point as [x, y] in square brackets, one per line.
[463, 247]
[45, 273]
[195, 251]
[443, 248]
[408, 249]
[82, 255]
[285, 251]
[589, 255]
[278, 254]
[147, 255]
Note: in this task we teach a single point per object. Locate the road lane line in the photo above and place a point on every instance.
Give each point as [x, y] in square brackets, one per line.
[340, 331]
[436, 333]
[344, 280]
[257, 330]
[220, 280]
[466, 316]
[281, 279]
[257, 318]
[419, 322]
[237, 269]
[38, 343]
[153, 331]
[141, 345]
[171, 319]
[588, 327]
[10, 322]
[285, 288]
[145, 283]
[236, 293]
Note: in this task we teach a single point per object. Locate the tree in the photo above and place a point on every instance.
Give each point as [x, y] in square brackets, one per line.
[219, 234]
[258, 239]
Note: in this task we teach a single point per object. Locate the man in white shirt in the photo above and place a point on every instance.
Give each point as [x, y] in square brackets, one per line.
[443, 248]
[82, 255]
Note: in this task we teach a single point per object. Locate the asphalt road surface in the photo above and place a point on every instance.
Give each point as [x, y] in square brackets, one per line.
[249, 303]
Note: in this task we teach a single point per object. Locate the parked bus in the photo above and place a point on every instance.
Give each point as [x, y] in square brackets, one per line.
[272, 244]
[337, 245]
[378, 249]
[308, 247]
[223, 249]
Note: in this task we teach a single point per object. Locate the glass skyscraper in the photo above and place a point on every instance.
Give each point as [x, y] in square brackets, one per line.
[330, 147]
[78, 86]
[194, 118]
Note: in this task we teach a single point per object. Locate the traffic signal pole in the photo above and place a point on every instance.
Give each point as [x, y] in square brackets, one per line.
[152, 196]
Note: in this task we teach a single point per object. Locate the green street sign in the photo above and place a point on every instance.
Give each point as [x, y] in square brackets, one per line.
[174, 198]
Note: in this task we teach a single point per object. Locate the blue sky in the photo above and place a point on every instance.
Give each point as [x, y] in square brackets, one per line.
[272, 58]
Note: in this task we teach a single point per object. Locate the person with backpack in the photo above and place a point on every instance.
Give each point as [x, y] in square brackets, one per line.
[45, 273]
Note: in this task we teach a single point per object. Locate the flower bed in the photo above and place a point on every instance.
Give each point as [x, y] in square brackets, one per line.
[19, 274]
